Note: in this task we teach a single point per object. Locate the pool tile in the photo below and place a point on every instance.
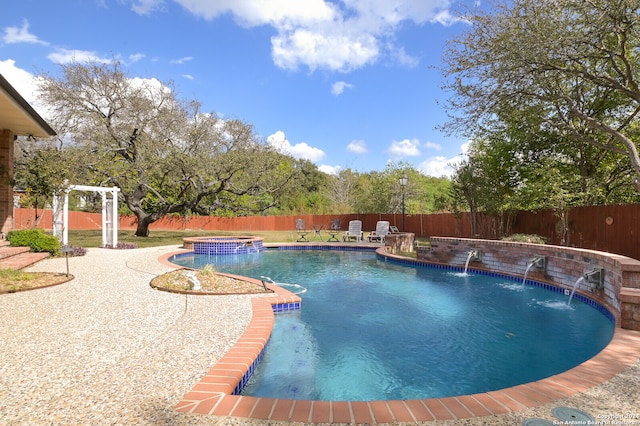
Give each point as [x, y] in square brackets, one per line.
[301, 411]
[456, 408]
[341, 411]
[473, 405]
[494, 406]
[244, 407]
[263, 408]
[570, 382]
[505, 399]
[440, 412]
[523, 396]
[282, 410]
[223, 407]
[551, 386]
[401, 412]
[419, 410]
[320, 411]
[201, 404]
[361, 412]
[381, 412]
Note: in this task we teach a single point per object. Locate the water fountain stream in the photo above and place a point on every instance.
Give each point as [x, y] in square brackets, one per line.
[575, 286]
[526, 272]
[473, 254]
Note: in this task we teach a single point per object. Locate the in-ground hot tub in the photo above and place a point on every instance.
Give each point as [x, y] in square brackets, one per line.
[223, 245]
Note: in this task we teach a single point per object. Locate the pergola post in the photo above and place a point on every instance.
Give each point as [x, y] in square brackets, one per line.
[61, 219]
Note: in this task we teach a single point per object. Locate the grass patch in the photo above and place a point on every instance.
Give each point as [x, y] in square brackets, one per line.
[93, 238]
[12, 280]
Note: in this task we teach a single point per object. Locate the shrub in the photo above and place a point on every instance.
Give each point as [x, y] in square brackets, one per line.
[122, 245]
[76, 251]
[35, 239]
[525, 238]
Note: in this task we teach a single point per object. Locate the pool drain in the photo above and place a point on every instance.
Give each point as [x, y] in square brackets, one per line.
[537, 422]
[568, 414]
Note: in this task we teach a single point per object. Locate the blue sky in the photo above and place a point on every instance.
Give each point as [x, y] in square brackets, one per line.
[343, 83]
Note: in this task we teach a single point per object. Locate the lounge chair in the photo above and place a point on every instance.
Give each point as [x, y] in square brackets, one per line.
[301, 230]
[354, 231]
[382, 229]
[334, 230]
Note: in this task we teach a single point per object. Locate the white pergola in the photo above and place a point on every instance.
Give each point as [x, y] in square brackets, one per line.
[109, 214]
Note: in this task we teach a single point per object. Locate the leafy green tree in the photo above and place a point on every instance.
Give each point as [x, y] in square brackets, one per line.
[307, 191]
[165, 154]
[40, 169]
[571, 63]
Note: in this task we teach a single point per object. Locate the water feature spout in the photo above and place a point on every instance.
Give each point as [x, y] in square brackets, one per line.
[473, 255]
[595, 276]
[539, 262]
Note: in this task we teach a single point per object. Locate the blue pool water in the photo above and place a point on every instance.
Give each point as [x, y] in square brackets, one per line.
[375, 330]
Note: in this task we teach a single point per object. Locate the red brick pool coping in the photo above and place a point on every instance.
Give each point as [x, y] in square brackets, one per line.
[212, 395]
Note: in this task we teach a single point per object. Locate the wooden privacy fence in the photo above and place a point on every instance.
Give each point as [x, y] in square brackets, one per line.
[614, 228]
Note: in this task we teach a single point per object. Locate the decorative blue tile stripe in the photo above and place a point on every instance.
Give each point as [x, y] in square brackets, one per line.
[420, 264]
[227, 246]
[324, 248]
[249, 372]
[286, 307]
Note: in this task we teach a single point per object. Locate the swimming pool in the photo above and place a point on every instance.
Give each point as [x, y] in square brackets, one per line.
[371, 329]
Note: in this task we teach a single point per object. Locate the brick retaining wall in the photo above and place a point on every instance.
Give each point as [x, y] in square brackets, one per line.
[564, 265]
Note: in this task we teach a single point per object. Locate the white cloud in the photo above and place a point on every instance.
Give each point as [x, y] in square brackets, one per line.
[300, 150]
[277, 13]
[145, 7]
[357, 147]
[67, 56]
[188, 76]
[21, 80]
[405, 148]
[338, 87]
[136, 57]
[433, 145]
[401, 57]
[330, 170]
[181, 60]
[440, 166]
[25, 83]
[334, 51]
[320, 34]
[21, 35]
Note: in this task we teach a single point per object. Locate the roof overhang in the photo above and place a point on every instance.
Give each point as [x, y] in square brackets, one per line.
[18, 116]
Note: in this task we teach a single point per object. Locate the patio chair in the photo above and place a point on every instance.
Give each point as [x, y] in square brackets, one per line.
[301, 230]
[393, 230]
[334, 230]
[382, 229]
[354, 231]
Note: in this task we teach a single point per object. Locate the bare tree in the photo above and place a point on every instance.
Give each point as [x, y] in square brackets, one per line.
[165, 154]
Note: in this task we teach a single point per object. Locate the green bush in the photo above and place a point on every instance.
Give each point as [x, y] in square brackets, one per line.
[525, 238]
[35, 239]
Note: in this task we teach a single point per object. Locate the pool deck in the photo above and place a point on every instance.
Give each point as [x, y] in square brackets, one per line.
[106, 348]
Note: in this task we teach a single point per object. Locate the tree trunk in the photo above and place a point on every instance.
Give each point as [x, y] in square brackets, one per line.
[142, 230]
